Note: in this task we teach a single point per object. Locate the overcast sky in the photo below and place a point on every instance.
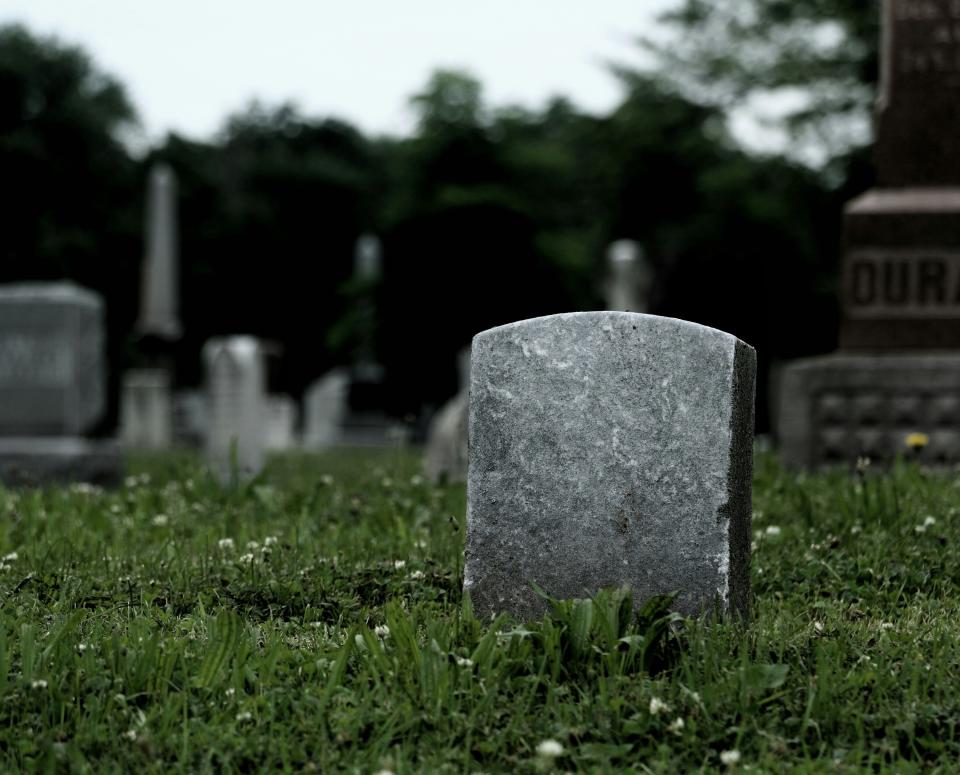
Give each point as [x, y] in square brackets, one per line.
[189, 63]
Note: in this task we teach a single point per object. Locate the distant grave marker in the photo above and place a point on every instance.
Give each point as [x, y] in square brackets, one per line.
[609, 449]
[52, 385]
[236, 389]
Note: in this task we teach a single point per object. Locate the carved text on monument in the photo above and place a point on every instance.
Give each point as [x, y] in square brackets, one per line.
[898, 283]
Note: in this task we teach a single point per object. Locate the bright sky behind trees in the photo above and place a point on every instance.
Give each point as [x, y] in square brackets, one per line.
[188, 64]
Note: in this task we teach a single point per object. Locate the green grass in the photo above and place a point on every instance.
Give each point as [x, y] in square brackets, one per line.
[134, 637]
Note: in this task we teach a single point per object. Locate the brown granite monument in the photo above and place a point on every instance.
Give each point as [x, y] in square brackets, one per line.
[898, 369]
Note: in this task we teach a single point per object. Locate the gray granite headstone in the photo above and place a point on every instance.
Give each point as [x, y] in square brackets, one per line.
[237, 387]
[609, 449]
[52, 386]
[52, 370]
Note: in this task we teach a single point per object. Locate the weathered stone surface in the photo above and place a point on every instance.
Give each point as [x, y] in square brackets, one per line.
[839, 407]
[609, 449]
[52, 370]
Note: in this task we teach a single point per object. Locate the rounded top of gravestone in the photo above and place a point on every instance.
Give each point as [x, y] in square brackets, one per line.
[624, 251]
[49, 293]
[642, 323]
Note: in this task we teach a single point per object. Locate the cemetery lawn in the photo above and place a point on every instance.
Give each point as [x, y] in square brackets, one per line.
[313, 621]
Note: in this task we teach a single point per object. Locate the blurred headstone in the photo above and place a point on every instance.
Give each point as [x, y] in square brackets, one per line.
[191, 417]
[368, 258]
[609, 449]
[900, 325]
[146, 420]
[629, 277]
[236, 390]
[445, 457]
[281, 423]
[325, 408]
[53, 385]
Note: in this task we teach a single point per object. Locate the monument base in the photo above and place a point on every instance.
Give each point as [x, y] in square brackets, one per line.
[30, 461]
[836, 408]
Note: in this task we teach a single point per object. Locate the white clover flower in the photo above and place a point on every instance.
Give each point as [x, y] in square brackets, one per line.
[929, 521]
[160, 520]
[230, 692]
[81, 647]
[399, 564]
[730, 757]
[254, 545]
[131, 481]
[13, 556]
[40, 683]
[818, 626]
[381, 631]
[856, 529]
[130, 734]
[271, 541]
[886, 625]
[416, 480]
[658, 706]
[421, 544]
[464, 662]
[245, 558]
[549, 749]
[386, 482]
[244, 716]
[225, 544]
[417, 575]
[677, 725]
[772, 530]
[326, 480]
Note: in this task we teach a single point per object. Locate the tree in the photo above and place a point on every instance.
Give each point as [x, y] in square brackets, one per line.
[823, 51]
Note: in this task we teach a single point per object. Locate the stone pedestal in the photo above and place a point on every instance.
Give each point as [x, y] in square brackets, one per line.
[839, 407]
[147, 409]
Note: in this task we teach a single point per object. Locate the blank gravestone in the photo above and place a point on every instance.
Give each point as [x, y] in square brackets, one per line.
[53, 386]
[236, 385]
[609, 449]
